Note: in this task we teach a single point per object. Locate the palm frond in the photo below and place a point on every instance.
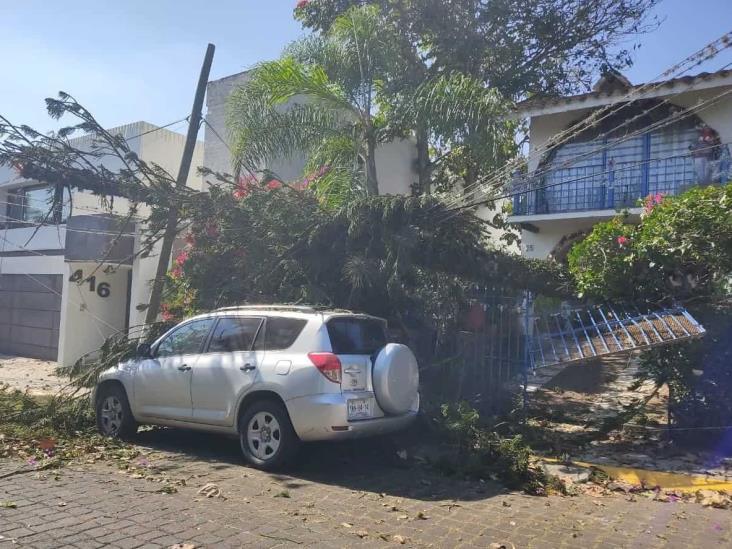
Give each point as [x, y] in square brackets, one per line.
[261, 134]
[286, 79]
[458, 104]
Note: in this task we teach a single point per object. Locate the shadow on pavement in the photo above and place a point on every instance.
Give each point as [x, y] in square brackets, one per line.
[371, 465]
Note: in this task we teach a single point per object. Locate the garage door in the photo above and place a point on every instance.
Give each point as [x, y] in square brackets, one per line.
[30, 315]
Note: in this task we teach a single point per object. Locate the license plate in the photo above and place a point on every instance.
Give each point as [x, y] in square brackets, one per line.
[359, 408]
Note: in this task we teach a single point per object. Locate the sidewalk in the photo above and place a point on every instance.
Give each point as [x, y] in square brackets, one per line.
[30, 374]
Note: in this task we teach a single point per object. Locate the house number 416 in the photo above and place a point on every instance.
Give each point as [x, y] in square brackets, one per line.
[102, 289]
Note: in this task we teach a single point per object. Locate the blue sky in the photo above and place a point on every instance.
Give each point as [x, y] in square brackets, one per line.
[139, 59]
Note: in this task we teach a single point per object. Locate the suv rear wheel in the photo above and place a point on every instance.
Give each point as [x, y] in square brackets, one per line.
[114, 417]
[266, 436]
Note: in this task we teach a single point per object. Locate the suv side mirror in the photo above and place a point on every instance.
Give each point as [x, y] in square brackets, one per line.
[144, 350]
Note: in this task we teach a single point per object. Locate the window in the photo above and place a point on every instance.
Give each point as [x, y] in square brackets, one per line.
[356, 336]
[32, 204]
[185, 340]
[280, 333]
[234, 334]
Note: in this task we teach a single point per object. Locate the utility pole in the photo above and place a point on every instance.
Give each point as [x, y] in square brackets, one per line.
[194, 123]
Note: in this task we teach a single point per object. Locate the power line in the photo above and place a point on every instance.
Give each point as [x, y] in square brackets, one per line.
[565, 182]
[158, 128]
[67, 229]
[707, 52]
[711, 50]
[217, 134]
[657, 125]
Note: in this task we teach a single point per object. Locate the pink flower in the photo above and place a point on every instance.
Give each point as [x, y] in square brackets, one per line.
[274, 184]
[190, 239]
[212, 230]
[244, 187]
[313, 177]
[301, 4]
[181, 258]
[176, 272]
[623, 240]
[165, 313]
[651, 201]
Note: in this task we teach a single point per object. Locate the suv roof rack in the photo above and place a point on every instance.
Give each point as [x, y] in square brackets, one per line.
[297, 308]
[285, 307]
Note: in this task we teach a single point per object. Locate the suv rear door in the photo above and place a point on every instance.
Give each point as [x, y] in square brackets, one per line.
[356, 340]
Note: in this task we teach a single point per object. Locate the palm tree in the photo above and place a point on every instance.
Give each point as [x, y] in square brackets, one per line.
[319, 100]
[334, 97]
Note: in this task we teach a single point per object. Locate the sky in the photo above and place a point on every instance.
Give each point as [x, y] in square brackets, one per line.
[139, 59]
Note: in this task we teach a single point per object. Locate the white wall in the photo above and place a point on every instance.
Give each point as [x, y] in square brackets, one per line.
[395, 161]
[32, 264]
[87, 318]
[143, 275]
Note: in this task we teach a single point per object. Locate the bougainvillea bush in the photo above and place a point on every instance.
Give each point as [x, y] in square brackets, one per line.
[680, 252]
[404, 258]
[682, 249]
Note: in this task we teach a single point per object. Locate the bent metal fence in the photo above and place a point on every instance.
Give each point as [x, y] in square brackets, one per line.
[506, 339]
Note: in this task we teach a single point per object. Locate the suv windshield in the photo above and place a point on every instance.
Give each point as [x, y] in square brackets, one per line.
[356, 336]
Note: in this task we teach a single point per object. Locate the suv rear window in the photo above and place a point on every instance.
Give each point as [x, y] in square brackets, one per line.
[356, 336]
[280, 333]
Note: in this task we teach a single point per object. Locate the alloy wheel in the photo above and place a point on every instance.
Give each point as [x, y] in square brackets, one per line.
[263, 435]
[112, 415]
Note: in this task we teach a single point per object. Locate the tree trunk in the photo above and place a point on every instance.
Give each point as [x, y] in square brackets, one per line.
[372, 183]
[424, 167]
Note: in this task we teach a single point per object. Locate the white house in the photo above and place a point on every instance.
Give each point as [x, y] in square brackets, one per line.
[44, 311]
[395, 161]
[652, 139]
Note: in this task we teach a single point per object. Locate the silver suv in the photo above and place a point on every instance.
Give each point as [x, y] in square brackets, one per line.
[273, 375]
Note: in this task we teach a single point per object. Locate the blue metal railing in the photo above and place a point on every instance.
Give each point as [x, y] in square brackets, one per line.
[616, 183]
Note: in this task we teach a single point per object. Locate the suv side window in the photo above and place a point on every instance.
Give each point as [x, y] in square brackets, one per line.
[279, 333]
[185, 340]
[234, 334]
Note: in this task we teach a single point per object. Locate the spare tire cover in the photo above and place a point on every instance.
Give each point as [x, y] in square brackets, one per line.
[395, 378]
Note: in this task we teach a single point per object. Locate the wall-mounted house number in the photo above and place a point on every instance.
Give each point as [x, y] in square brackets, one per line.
[102, 289]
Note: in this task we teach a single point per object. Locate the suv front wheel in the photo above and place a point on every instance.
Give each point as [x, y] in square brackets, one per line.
[114, 417]
[266, 436]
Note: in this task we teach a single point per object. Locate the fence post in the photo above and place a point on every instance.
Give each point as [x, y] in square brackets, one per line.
[527, 341]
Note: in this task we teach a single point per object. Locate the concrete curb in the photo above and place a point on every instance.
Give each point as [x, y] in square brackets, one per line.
[676, 482]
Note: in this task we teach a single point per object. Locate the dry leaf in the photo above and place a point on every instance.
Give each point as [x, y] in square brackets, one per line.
[346, 525]
[361, 533]
[399, 539]
[421, 516]
[210, 490]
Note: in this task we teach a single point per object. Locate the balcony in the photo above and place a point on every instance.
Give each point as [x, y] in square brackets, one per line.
[612, 184]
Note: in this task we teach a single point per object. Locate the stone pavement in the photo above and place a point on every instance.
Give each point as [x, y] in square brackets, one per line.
[340, 495]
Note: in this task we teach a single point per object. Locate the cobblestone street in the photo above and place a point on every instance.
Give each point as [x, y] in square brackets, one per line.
[340, 495]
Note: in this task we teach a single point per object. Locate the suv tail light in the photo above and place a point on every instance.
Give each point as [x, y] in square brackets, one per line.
[328, 364]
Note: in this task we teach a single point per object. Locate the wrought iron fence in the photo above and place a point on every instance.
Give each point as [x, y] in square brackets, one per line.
[615, 183]
[506, 338]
